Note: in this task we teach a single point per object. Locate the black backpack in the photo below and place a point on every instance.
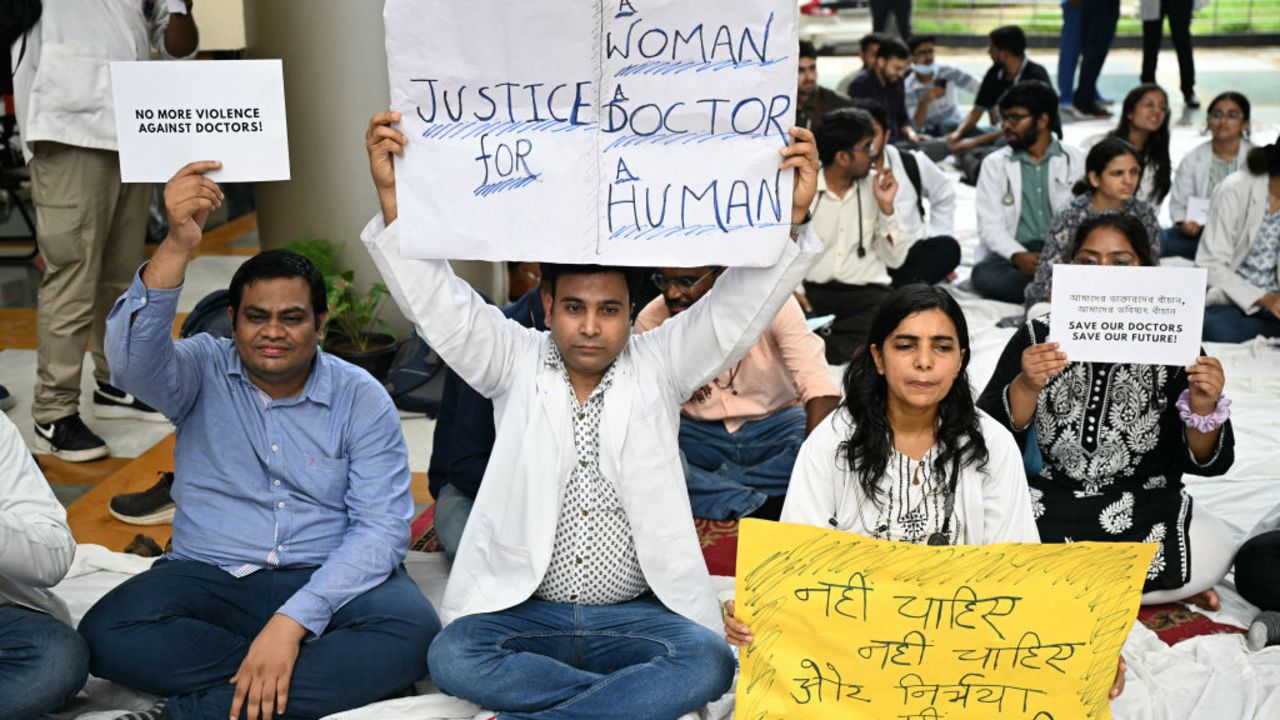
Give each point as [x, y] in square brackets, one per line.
[912, 166]
[16, 18]
[416, 380]
[209, 316]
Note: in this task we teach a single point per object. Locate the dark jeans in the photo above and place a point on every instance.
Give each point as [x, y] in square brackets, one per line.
[1100, 18]
[929, 261]
[182, 628]
[1226, 323]
[552, 660]
[1258, 570]
[999, 279]
[901, 10]
[1175, 243]
[1179, 13]
[731, 475]
[43, 663]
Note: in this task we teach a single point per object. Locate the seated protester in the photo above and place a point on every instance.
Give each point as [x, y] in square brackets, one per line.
[1240, 248]
[1115, 439]
[1203, 170]
[813, 100]
[855, 216]
[907, 457]
[740, 433]
[1007, 48]
[579, 588]
[284, 592]
[1112, 174]
[882, 82]
[1144, 124]
[43, 661]
[930, 90]
[464, 434]
[934, 254]
[868, 46]
[1020, 189]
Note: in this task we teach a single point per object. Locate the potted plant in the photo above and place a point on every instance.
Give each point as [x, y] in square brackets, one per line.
[355, 332]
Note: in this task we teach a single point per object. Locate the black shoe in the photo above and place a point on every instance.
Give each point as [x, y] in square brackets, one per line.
[7, 401]
[153, 506]
[112, 403]
[1093, 110]
[1191, 101]
[70, 439]
[159, 711]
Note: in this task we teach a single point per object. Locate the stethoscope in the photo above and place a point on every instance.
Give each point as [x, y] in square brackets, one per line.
[941, 537]
[1008, 185]
[857, 188]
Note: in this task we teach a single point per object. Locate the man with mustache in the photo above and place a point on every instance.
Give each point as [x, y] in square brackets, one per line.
[284, 593]
[1020, 188]
[740, 433]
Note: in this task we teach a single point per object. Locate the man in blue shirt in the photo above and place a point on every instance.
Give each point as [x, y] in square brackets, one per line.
[284, 592]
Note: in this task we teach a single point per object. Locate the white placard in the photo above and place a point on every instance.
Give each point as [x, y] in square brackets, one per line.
[1198, 210]
[635, 132]
[1150, 315]
[171, 113]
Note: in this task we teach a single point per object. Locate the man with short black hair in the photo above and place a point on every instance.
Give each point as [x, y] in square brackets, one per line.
[930, 89]
[813, 100]
[883, 82]
[579, 588]
[1020, 188]
[293, 503]
[868, 46]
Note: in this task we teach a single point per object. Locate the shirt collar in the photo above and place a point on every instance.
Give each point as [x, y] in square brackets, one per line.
[555, 361]
[1053, 150]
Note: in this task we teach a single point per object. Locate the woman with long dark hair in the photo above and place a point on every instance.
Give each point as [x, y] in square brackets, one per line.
[1116, 439]
[1203, 170]
[1144, 124]
[1240, 248]
[1113, 172]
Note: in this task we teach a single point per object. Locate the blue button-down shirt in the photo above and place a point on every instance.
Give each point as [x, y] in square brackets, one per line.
[316, 480]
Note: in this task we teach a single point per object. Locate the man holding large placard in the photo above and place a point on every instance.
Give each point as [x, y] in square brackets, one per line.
[90, 227]
[579, 585]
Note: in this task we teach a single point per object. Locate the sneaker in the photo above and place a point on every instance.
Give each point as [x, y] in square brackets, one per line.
[7, 401]
[110, 402]
[70, 439]
[159, 711]
[1093, 111]
[1191, 101]
[1264, 630]
[153, 506]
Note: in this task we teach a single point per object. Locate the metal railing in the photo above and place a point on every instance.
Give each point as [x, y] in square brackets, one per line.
[1044, 17]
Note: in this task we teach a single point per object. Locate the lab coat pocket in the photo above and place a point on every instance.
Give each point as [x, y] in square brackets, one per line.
[70, 82]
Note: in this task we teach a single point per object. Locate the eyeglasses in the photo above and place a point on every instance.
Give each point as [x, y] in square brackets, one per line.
[683, 283]
[1228, 114]
[1013, 118]
[870, 150]
[1155, 105]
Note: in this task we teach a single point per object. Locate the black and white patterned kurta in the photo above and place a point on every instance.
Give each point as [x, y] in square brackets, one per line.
[1114, 451]
[912, 503]
[593, 561]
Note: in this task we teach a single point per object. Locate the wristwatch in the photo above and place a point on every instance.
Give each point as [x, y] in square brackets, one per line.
[795, 227]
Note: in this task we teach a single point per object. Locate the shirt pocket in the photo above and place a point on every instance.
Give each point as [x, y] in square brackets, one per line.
[72, 80]
[325, 481]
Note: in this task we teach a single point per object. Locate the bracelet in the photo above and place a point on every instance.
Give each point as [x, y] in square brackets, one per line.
[1203, 423]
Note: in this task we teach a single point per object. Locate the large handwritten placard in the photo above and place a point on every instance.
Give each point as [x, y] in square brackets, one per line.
[635, 132]
[1150, 315]
[851, 627]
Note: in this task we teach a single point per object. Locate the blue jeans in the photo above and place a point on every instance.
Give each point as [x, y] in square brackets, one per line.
[547, 660]
[43, 663]
[1174, 242]
[1226, 323]
[453, 507]
[1069, 52]
[182, 628]
[732, 474]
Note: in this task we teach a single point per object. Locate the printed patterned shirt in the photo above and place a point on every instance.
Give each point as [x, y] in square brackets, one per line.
[593, 561]
[1261, 265]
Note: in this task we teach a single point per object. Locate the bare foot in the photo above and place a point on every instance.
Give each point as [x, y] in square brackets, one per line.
[1207, 600]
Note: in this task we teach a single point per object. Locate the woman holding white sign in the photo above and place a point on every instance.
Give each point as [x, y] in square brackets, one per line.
[1113, 172]
[1112, 441]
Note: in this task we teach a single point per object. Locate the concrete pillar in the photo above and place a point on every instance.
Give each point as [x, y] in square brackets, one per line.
[335, 78]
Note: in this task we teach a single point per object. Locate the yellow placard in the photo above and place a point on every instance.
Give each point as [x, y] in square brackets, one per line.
[851, 627]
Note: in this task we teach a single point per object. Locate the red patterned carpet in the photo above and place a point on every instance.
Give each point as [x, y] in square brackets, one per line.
[1171, 623]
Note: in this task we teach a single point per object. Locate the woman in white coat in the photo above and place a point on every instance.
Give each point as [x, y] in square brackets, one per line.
[1204, 169]
[1240, 247]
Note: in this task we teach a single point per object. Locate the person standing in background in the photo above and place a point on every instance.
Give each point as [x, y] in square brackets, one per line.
[1152, 13]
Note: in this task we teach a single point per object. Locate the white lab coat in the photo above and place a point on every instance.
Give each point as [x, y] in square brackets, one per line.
[1192, 177]
[506, 547]
[999, 196]
[36, 546]
[939, 195]
[993, 504]
[62, 86]
[1235, 214]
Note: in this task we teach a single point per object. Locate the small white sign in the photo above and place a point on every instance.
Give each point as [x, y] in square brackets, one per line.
[1148, 315]
[1198, 210]
[171, 113]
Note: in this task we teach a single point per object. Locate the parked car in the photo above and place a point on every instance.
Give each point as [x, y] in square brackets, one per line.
[834, 26]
